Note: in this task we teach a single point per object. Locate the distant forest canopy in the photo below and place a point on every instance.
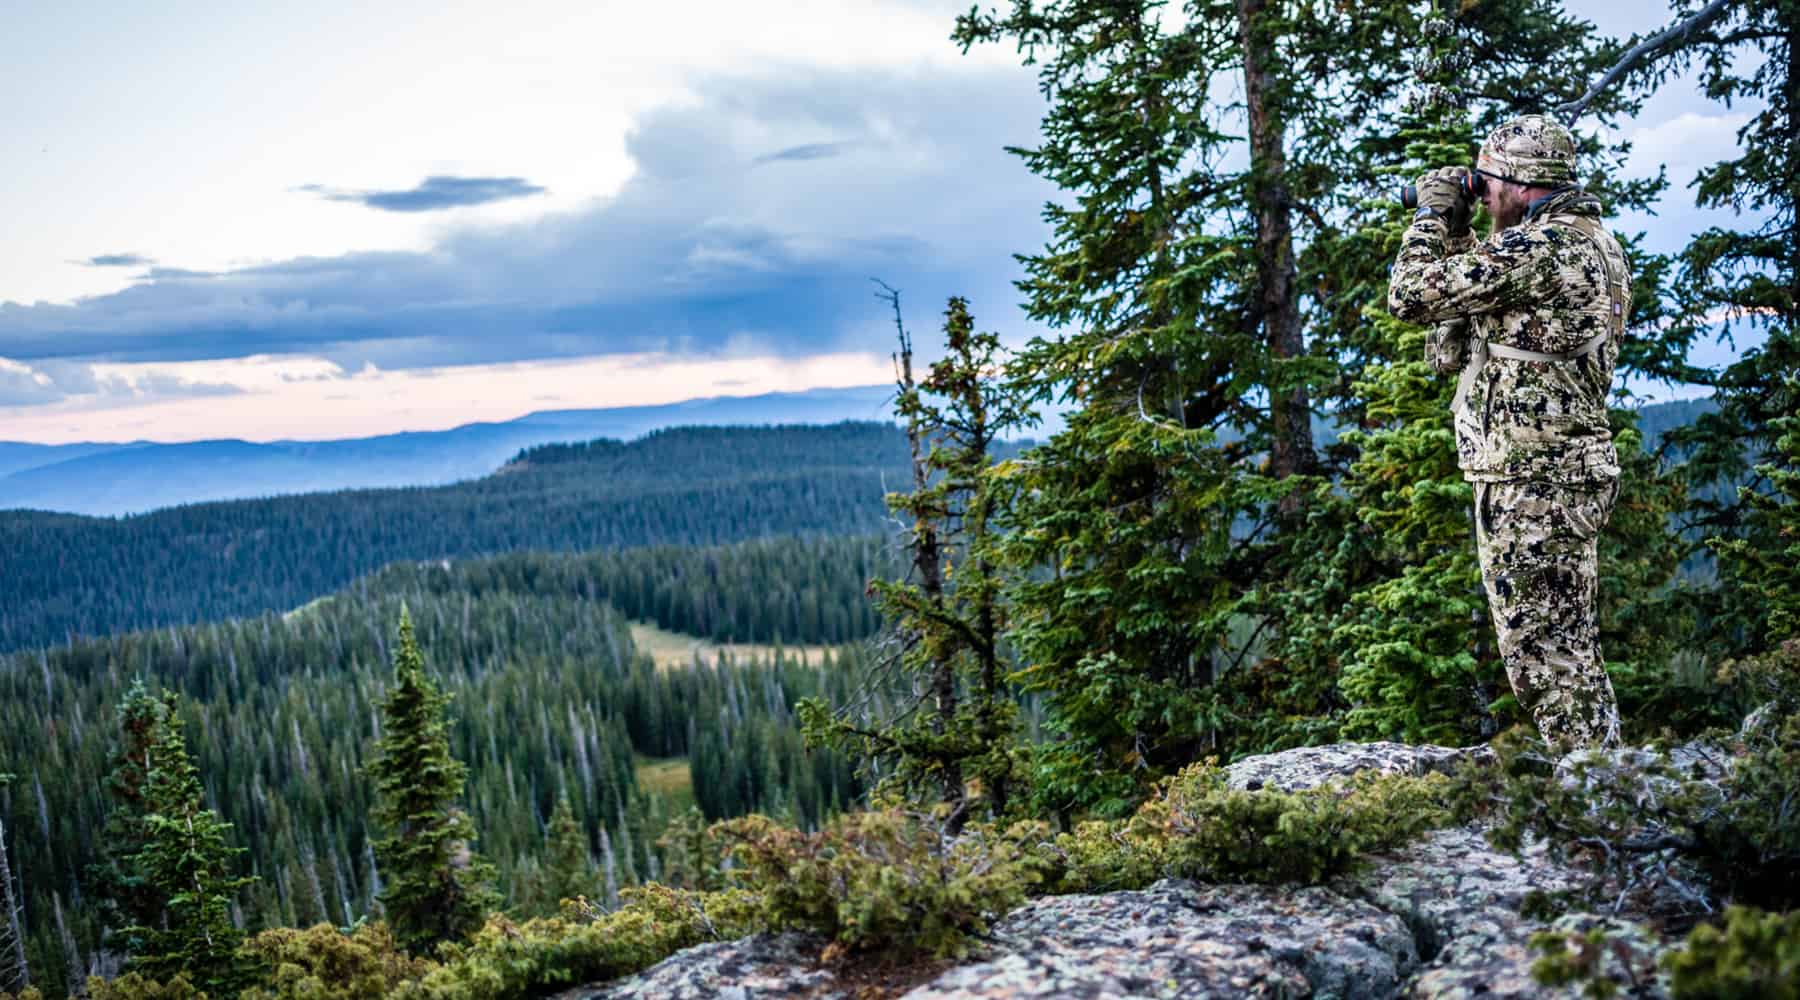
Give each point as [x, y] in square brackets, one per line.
[66, 575]
[549, 699]
[797, 590]
[69, 576]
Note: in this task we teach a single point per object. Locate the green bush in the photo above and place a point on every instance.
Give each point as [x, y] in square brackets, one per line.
[1628, 814]
[135, 986]
[1200, 828]
[1107, 855]
[1751, 847]
[883, 881]
[1603, 956]
[1757, 954]
[507, 960]
[324, 963]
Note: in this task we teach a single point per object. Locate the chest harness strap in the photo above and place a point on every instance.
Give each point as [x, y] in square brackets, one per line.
[1481, 350]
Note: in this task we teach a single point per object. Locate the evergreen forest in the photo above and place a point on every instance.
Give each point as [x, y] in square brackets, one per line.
[67, 576]
[403, 744]
[549, 703]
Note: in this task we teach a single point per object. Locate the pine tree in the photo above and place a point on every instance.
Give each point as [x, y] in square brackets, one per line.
[125, 898]
[1394, 615]
[1122, 551]
[186, 860]
[948, 613]
[568, 869]
[436, 888]
[1395, 611]
[1739, 282]
[1202, 300]
[1769, 575]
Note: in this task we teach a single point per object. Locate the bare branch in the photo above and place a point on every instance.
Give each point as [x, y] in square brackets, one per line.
[1640, 52]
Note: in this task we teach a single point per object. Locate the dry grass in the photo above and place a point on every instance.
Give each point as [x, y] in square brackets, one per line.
[668, 777]
[673, 650]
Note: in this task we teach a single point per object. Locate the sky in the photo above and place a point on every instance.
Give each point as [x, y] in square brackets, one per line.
[335, 219]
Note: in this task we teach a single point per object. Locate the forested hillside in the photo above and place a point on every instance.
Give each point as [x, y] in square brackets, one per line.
[808, 590]
[549, 700]
[66, 576]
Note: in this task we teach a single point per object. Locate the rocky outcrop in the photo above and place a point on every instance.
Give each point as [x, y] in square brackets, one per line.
[1180, 938]
[1309, 767]
[1438, 918]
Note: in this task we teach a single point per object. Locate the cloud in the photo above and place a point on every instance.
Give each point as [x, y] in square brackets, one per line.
[808, 151]
[434, 193]
[118, 260]
[1684, 144]
[696, 255]
[55, 381]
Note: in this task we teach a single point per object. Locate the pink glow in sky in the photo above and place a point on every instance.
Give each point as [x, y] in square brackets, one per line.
[298, 398]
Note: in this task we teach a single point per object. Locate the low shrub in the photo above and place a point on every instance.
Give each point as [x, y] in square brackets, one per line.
[1756, 954]
[136, 986]
[507, 960]
[1198, 827]
[883, 881]
[324, 963]
[1677, 838]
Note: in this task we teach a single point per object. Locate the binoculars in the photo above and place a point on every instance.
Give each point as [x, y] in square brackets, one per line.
[1471, 184]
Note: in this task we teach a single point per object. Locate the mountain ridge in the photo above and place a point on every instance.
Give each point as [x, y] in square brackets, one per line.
[102, 479]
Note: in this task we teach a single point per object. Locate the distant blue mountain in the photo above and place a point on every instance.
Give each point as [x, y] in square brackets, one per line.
[114, 479]
[16, 456]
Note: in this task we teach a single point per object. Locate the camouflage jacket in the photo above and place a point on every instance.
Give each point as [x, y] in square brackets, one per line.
[1540, 286]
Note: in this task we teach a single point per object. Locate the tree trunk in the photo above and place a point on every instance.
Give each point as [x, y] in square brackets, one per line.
[1291, 448]
[15, 975]
[927, 560]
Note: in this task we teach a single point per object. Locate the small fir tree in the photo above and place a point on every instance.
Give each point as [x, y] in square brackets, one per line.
[1769, 573]
[948, 615]
[187, 862]
[568, 869]
[436, 888]
[124, 897]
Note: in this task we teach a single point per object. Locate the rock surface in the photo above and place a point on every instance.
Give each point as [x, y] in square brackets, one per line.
[1308, 767]
[762, 966]
[1437, 918]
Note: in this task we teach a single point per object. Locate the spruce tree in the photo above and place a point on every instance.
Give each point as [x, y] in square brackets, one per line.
[1206, 282]
[948, 614]
[568, 868]
[124, 896]
[187, 862]
[1385, 602]
[1769, 575]
[1741, 282]
[436, 889]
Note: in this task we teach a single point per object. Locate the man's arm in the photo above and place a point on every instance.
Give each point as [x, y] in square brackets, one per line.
[1433, 282]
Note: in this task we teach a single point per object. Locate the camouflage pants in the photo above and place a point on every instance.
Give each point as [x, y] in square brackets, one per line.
[1537, 544]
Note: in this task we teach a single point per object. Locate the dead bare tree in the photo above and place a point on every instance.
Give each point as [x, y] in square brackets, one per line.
[15, 975]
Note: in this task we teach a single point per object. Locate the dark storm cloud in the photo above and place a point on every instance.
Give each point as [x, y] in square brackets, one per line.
[434, 193]
[119, 260]
[696, 254]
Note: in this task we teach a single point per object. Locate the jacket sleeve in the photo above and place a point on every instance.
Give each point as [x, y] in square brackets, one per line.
[1431, 283]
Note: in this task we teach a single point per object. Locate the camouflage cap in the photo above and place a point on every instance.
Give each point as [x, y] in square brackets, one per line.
[1532, 149]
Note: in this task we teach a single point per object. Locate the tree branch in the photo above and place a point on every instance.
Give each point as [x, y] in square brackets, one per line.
[1642, 51]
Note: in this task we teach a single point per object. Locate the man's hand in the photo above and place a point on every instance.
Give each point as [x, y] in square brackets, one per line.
[1441, 191]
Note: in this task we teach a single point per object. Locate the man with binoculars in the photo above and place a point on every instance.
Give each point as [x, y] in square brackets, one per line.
[1534, 316]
